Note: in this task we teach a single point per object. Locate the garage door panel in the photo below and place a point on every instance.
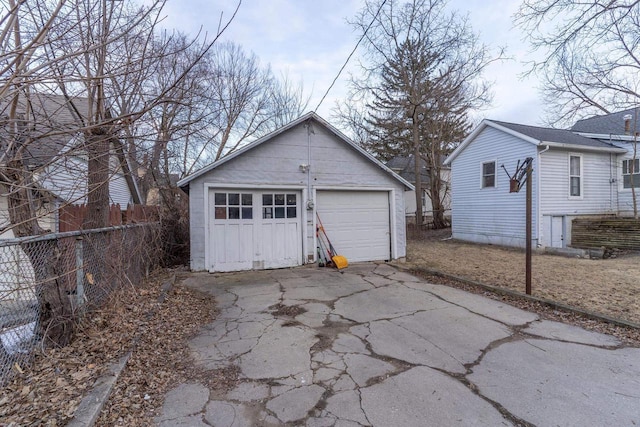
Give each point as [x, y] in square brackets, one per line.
[247, 231]
[357, 223]
[280, 244]
[233, 248]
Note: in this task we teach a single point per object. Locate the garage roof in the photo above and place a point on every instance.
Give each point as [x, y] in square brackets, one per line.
[311, 115]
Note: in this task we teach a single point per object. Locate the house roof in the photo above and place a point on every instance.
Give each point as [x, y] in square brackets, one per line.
[50, 122]
[311, 115]
[608, 124]
[405, 167]
[540, 136]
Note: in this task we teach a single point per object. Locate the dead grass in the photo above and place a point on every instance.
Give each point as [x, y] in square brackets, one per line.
[48, 391]
[607, 286]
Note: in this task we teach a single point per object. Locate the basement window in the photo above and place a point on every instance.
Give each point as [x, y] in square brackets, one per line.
[631, 172]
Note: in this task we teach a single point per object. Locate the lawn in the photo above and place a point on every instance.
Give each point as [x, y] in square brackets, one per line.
[607, 286]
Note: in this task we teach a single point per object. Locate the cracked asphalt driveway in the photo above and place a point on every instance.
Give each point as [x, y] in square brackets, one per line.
[378, 347]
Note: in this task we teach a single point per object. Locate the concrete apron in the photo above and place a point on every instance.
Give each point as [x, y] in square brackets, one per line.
[379, 347]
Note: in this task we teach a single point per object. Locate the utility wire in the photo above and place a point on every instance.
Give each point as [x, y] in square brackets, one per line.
[351, 54]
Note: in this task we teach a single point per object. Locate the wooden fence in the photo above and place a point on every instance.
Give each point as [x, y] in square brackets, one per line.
[71, 217]
[620, 233]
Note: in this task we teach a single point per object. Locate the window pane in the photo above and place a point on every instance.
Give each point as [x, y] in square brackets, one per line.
[234, 199]
[575, 186]
[221, 213]
[626, 180]
[247, 213]
[291, 199]
[221, 199]
[279, 199]
[280, 212]
[247, 199]
[267, 200]
[625, 166]
[489, 168]
[267, 213]
[234, 213]
[636, 166]
[574, 168]
[489, 181]
[291, 211]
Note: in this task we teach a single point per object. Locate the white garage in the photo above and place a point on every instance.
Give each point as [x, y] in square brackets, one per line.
[257, 208]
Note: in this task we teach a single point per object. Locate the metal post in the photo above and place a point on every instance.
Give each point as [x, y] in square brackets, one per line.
[528, 238]
[80, 299]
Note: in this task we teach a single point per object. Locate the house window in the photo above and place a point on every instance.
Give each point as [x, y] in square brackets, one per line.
[488, 174]
[575, 176]
[631, 169]
[233, 205]
[279, 205]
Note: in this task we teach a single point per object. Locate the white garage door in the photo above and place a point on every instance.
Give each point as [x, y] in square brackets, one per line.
[357, 223]
[254, 229]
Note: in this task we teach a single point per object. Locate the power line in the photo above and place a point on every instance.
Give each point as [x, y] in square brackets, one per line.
[351, 54]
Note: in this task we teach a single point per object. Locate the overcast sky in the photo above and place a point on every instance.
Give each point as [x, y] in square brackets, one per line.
[310, 40]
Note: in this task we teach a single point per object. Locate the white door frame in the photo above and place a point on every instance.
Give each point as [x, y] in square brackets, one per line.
[260, 187]
[392, 211]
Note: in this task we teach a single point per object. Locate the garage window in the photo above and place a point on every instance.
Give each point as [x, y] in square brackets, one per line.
[279, 205]
[233, 205]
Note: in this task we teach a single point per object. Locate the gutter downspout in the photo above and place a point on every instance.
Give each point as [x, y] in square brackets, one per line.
[538, 191]
[309, 204]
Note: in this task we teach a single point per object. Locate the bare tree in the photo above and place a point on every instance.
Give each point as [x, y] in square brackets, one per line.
[421, 75]
[590, 56]
[78, 53]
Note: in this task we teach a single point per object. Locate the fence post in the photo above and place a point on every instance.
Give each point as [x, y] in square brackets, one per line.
[80, 299]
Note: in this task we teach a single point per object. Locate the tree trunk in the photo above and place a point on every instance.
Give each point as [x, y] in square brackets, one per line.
[97, 146]
[436, 199]
[418, 173]
[55, 315]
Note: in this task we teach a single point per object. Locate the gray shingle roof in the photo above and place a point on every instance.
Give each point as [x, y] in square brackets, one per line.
[608, 123]
[48, 121]
[561, 136]
[405, 167]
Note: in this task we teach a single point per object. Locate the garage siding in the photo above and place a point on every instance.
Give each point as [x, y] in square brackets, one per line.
[276, 162]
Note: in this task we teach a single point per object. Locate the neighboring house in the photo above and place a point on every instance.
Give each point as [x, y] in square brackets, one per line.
[53, 155]
[256, 208]
[56, 160]
[579, 172]
[405, 167]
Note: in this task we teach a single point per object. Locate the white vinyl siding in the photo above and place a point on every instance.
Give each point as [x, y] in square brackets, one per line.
[276, 162]
[598, 187]
[67, 179]
[495, 216]
[575, 175]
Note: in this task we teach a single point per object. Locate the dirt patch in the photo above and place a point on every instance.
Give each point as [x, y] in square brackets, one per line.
[53, 385]
[279, 310]
[606, 286]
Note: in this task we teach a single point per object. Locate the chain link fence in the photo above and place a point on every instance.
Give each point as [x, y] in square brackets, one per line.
[48, 282]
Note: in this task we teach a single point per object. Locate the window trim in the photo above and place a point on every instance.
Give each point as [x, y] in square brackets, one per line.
[622, 174]
[580, 176]
[495, 174]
